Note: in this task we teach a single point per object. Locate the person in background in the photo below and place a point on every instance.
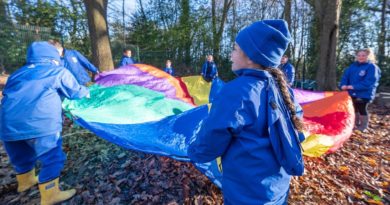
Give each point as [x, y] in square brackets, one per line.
[288, 70]
[76, 63]
[126, 58]
[361, 79]
[254, 123]
[31, 120]
[168, 68]
[209, 69]
[2, 70]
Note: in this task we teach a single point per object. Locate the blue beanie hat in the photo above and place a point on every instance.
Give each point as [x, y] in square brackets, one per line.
[265, 42]
[42, 51]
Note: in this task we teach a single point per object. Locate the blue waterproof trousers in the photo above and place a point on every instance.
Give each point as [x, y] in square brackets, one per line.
[24, 154]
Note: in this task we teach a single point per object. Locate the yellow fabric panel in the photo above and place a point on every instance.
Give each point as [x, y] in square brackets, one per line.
[219, 163]
[198, 88]
[316, 145]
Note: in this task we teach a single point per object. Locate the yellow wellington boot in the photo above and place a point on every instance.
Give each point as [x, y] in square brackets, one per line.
[26, 180]
[51, 193]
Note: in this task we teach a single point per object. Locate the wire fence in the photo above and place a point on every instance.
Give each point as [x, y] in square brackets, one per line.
[14, 40]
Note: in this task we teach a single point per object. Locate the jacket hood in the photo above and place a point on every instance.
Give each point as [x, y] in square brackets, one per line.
[42, 51]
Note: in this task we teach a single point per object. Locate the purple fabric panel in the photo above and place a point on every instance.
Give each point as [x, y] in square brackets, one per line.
[132, 75]
[304, 96]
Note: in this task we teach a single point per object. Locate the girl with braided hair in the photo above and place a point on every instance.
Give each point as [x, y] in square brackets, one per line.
[254, 123]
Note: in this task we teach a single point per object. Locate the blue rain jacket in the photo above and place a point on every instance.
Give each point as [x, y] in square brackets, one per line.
[289, 72]
[76, 64]
[125, 60]
[170, 71]
[31, 106]
[364, 77]
[249, 127]
[209, 70]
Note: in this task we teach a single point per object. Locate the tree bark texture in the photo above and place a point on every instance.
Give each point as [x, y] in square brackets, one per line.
[287, 17]
[98, 32]
[328, 14]
[185, 24]
[218, 31]
[382, 35]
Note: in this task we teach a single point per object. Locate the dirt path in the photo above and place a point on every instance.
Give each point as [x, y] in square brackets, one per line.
[103, 173]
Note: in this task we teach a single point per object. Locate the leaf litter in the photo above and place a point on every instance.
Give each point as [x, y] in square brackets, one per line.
[104, 173]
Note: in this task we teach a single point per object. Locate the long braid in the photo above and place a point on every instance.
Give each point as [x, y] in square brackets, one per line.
[280, 78]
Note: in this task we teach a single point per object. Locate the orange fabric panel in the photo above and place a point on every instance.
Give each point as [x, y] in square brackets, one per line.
[339, 102]
[180, 93]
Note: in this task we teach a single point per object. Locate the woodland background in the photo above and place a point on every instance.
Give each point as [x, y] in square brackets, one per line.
[325, 33]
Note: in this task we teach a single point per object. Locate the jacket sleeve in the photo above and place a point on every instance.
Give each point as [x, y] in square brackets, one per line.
[204, 67]
[291, 73]
[219, 128]
[131, 61]
[70, 88]
[215, 70]
[85, 63]
[345, 78]
[122, 62]
[370, 80]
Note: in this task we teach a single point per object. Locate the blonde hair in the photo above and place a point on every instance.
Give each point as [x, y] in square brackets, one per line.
[283, 87]
[370, 54]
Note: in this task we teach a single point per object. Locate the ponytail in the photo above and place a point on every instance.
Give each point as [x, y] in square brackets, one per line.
[280, 79]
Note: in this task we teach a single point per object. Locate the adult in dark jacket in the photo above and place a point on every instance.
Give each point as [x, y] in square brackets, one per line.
[253, 122]
[361, 80]
[126, 58]
[288, 70]
[209, 69]
[31, 120]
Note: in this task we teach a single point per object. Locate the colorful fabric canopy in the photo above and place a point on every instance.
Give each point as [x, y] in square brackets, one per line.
[142, 108]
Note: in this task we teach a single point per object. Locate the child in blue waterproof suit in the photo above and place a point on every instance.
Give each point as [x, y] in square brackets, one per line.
[288, 70]
[254, 122]
[31, 120]
[361, 80]
[126, 58]
[209, 69]
[168, 68]
[76, 63]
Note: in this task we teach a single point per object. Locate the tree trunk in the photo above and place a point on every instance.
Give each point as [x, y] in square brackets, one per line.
[327, 14]
[382, 35]
[185, 26]
[287, 17]
[217, 32]
[98, 32]
[3, 13]
[123, 24]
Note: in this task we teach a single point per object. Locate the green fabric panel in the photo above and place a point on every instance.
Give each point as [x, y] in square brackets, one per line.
[124, 104]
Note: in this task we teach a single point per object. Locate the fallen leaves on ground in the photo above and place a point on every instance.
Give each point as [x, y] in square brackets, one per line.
[104, 173]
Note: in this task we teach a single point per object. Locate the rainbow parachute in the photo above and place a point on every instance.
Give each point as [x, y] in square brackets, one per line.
[142, 108]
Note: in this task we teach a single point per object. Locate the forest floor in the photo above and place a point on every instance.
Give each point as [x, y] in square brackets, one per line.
[103, 173]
